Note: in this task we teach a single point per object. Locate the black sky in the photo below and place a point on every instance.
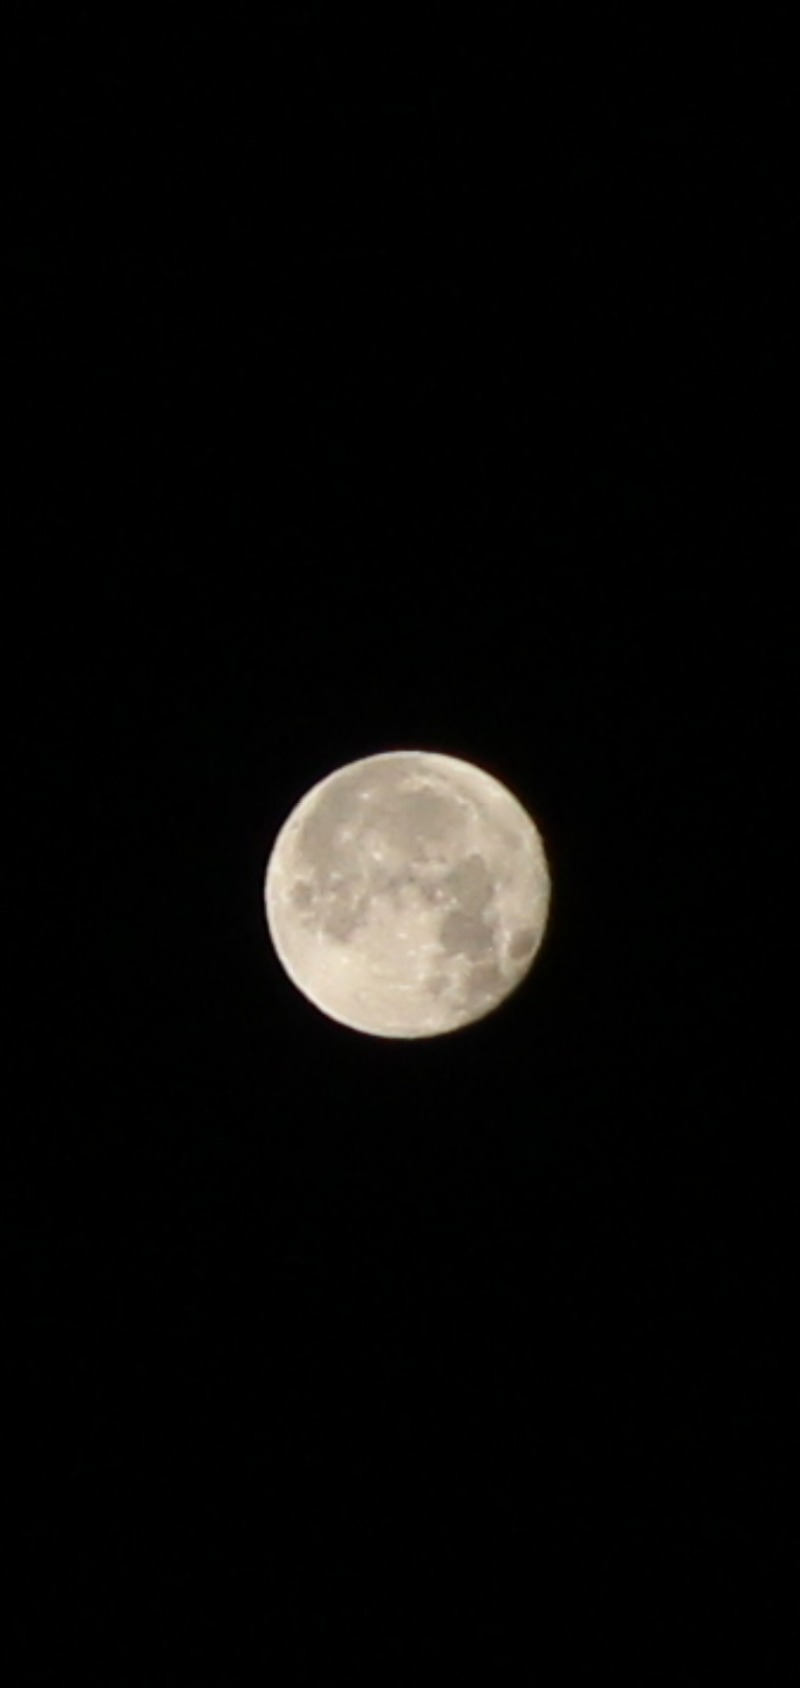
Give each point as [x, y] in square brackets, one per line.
[372, 393]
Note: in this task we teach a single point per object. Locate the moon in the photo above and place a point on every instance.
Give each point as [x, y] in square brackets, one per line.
[407, 894]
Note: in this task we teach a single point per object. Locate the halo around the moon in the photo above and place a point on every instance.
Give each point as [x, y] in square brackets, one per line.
[407, 894]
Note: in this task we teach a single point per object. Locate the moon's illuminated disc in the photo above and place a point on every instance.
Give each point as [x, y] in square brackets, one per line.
[407, 894]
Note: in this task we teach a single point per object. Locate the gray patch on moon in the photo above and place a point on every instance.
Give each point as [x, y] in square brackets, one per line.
[342, 920]
[470, 884]
[413, 821]
[463, 934]
[429, 817]
[302, 894]
[484, 983]
[465, 929]
[522, 943]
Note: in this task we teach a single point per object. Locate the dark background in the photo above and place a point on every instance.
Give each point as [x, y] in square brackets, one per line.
[376, 383]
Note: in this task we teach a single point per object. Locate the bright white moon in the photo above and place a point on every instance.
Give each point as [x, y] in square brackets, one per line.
[407, 894]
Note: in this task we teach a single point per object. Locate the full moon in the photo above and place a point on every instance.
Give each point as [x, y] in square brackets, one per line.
[407, 894]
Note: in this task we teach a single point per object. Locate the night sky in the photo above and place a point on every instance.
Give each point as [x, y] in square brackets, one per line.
[380, 384]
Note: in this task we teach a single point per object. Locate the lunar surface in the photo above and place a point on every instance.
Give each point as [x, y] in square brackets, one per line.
[407, 894]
